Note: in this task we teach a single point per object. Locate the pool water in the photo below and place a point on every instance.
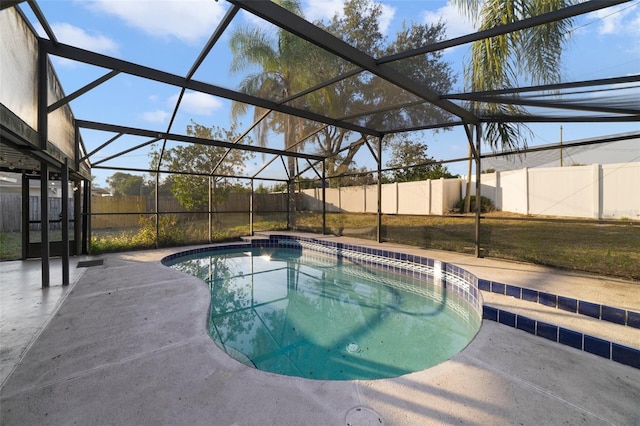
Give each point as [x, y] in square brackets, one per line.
[300, 313]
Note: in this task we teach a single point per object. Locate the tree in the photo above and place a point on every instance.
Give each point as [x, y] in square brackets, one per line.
[284, 68]
[370, 100]
[499, 62]
[288, 65]
[411, 163]
[206, 163]
[127, 184]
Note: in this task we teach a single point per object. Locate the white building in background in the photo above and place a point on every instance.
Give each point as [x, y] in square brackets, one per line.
[565, 155]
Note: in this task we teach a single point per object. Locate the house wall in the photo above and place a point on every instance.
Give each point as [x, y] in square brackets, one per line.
[19, 88]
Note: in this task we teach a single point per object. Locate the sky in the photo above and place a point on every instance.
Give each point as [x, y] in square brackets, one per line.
[170, 34]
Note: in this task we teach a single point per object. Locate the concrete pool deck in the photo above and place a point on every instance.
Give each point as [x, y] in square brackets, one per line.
[127, 344]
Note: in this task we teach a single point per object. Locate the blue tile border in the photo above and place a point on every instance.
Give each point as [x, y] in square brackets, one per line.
[467, 286]
[584, 342]
[582, 307]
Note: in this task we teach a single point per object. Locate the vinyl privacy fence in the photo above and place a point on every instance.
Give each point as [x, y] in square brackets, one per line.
[598, 191]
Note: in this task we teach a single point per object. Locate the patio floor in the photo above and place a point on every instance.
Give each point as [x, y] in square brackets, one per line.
[126, 343]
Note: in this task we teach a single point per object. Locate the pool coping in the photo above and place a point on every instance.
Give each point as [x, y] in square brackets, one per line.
[469, 287]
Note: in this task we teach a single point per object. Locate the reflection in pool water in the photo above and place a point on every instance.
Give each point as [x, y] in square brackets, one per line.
[301, 313]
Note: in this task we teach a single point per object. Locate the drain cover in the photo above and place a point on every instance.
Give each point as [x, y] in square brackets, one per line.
[353, 348]
[363, 416]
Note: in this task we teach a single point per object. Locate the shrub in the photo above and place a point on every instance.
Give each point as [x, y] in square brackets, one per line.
[486, 205]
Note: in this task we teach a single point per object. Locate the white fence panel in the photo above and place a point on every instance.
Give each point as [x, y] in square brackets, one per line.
[512, 195]
[610, 191]
[620, 191]
[451, 194]
[371, 196]
[390, 198]
[333, 199]
[414, 197]
[352, 199]
[437, 197]
[563, 191]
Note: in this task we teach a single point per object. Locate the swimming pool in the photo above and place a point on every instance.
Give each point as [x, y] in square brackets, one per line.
[323, 310]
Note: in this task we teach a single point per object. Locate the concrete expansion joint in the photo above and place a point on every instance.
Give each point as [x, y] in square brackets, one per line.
[87, 372]
[542, 391]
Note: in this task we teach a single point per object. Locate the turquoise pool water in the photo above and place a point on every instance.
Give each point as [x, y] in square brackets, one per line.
[301, 313]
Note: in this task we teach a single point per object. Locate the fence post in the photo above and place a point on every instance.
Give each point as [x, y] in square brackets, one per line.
[498, 192]
[596, 185]
[526, 190]
[397, 200]
[429, 196]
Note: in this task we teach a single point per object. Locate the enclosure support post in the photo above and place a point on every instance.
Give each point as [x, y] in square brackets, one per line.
[86, 223]
[251, 205]
[289, 184]
[157, 210]
[467, 196]
[44, 222]
[324, 200]
[77, 230]
[478, 194]
[43, 138]
[468, 129]
[379, 218]
[209, 218]
[77, 208]
[25, 217]
[64, 183]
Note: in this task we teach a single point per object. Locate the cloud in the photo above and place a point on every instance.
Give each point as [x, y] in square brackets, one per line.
[457, 24]
[388, 13]
[614, 19]
[74, 36]
[157, 116]
[186, 20]
[325, 10]
[196, 103]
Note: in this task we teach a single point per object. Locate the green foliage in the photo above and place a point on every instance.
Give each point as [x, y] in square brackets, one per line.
[262, 189]
[411, 163]
[10, 245]
[169, 232]
[286, 65]
[358, 25]
[128, 184]
[486, 205]
[503, 61]
[205, 163]
[354, 177]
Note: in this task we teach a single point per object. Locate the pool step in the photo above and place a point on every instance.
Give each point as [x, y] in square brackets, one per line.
[618, 333]
[607, 339]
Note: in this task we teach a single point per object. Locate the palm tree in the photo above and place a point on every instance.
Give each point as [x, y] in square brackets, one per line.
[500, 62]
[284, 68]
[289, 65]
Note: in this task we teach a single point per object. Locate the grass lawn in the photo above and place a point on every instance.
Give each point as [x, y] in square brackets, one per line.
[606, 248]
[611, 249]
